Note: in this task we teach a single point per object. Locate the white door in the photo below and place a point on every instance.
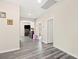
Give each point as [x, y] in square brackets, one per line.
[50, 31]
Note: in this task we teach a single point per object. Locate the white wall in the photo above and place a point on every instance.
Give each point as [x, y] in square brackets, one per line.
[22, 23]
[9, 34]
[64, 15]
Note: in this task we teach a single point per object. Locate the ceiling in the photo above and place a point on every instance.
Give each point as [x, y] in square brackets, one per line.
[30, 8]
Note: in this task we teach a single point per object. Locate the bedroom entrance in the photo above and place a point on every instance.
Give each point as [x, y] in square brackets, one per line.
[27, 29]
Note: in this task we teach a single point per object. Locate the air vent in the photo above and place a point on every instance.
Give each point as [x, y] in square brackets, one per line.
[48, 4]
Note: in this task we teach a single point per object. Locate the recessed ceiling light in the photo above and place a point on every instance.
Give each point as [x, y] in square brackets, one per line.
[39, 1]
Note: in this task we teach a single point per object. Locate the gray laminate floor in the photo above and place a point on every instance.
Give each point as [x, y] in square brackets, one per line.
[35, 50]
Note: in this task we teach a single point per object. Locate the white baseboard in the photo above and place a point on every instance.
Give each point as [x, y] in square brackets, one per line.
[67, 52]
[45, 42]
[49, 42]
[9, 50]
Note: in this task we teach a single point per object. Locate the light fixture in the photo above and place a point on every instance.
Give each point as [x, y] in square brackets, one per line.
[39, 1]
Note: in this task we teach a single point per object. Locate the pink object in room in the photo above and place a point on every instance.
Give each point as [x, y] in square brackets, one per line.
[35, 37]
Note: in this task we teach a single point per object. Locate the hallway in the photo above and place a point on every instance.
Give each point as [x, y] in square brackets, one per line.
[35, 50]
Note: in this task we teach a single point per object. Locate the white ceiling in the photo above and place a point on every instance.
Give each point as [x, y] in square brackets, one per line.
[29, 8]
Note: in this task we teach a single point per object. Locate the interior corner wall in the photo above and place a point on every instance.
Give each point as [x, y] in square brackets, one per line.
[65, 20]
[9, 34]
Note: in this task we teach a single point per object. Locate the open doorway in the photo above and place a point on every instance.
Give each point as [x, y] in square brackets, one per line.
[27, 30]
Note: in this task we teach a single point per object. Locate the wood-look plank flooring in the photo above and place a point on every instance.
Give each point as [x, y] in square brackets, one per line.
[35, 50]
